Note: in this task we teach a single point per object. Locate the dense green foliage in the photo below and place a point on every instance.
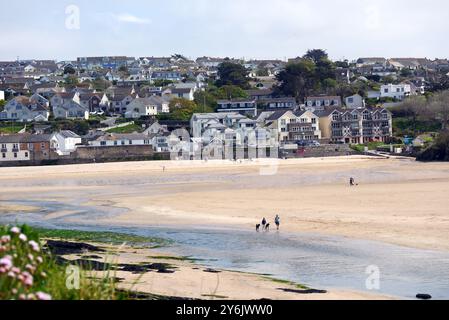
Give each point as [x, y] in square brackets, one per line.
[439, 151]
[313, 73]
[235, 74]
[27, 272]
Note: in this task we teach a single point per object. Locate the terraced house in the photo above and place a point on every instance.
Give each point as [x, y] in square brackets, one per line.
[25, 147]
[356, 126]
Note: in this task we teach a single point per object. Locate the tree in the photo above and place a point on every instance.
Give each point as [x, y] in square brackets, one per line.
[297, 79]
[229, 92]
[439, 151]
[413, 108]
[230, 73]
[316, 55]
[69, 70]
[71, 82]
[205, 101]
[439, 107]
[183, 109]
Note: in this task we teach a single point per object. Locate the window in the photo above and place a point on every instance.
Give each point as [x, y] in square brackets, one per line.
[350, 100]
[335, 116]
[103, 143]
[115, 143]
[3, 146]
[15, 154]
[3, 155]
[385, 90]
[314, 120]
[130, 142]
[283, 122]
[123, 142]
[26, 154]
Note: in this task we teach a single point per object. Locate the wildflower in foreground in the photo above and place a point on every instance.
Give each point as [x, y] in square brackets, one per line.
[15, 230]
[43, 296]
[23, 237]
[34, 245]
[6, 262]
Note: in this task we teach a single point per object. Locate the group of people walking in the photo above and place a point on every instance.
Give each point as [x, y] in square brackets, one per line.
[265, 225]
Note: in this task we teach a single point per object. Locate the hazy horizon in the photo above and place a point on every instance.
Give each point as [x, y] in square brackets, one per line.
[52, 29]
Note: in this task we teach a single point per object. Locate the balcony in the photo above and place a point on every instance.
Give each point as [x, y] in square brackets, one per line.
[4, 150]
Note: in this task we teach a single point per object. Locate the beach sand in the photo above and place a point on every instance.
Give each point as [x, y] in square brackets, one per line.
[193, 281]
[397, 201]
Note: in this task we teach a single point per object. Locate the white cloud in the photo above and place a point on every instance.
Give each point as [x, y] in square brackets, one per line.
[129, 18]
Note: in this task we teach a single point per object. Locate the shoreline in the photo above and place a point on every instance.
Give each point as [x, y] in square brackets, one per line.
[188, 279]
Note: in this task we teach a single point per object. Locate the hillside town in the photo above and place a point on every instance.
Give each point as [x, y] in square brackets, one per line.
[124, 108]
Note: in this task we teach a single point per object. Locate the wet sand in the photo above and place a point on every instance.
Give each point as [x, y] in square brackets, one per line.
[193, 281]
[398, 201]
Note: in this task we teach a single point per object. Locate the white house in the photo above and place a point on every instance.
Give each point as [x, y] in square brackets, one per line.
[24, 109]
[395, 91]
[70, 110]
[150, 106]
[117, 140]
[65, 142]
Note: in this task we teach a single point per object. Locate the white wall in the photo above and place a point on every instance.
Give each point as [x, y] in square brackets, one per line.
[22, 155]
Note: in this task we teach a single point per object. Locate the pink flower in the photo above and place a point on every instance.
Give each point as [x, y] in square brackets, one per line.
[43, 296]
[16, 270]
[6, 239]
[31, 257]
[23, 237]
[30, 268]
[27, 279]
[11, 274]
[15, 230]
[2, 270]
[14, 291]
[22, 297]
[31, 297]
[34, 245]
[6, 262]
[39, 259]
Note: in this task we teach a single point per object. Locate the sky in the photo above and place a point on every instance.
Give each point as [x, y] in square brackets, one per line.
[347, 29]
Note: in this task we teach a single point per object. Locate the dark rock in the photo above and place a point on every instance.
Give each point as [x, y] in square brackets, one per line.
[423, 296]
[303, 291]
[138, 269]
[212, 271]
[165, 271]
[66, 248]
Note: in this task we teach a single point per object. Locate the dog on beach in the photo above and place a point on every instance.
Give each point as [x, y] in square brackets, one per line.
[267, 227]
[257, 227]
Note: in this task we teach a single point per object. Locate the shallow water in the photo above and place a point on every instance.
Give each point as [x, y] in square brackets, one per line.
[314, 260]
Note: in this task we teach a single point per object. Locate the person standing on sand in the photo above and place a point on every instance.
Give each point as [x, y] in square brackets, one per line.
[264, 223]
[277, 221]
